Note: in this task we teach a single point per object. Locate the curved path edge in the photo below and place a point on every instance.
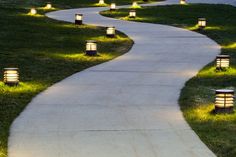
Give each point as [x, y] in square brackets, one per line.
[122, 108]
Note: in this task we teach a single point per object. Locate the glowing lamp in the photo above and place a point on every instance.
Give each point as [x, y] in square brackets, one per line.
[48, 6]
[132, 14]
[201, 23]
[224, 101]
[33, 11]
[135, 4]
[111, 31]
[222, 62]
[11, 76]
[112, 7]
[101, 2]
[78, 19]
[91, 47]
[182, 1]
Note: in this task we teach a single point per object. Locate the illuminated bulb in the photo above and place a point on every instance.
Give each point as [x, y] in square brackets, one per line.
[91, 47]
[48, 6]
[101, 2]
[201, 23]
[113, 6]
[222, 62]
[182, 1]
[33, 11]
[224, 101]
[11, 76]
[111, 31]
[132, 14]
[78, 19]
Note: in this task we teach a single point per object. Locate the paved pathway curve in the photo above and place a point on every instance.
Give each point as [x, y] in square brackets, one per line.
[127, 107]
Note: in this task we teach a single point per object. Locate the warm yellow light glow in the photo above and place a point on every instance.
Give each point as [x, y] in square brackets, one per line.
[135, 4]
[33, 11]
[101, 2]
[224, 100]
[113, 6]
[201, 22]
[222, 61]
[48, 6]
[91, 47]
[11, 76]
[111, 31]
[182, 2]
[231, 46]
[78, 19]
[132, 14]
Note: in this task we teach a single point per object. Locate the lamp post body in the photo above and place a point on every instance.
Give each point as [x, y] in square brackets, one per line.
[91, 48]
[78, 19]
[132, 14]
[110, 32]
[112, 7]
[11, 76]
[33, 11]
[201, 23]
[222, 62]
[48, 6]
[224, 101]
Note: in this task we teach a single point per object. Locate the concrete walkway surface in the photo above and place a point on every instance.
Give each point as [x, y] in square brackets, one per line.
[127, 107]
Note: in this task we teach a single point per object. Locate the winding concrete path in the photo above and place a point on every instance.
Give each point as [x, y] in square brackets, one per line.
[127, 107]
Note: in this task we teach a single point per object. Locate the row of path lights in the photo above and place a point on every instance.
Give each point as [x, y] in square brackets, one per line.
[224, 98]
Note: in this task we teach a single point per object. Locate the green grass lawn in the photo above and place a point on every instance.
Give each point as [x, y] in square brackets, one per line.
[45, 51]
[197, 97]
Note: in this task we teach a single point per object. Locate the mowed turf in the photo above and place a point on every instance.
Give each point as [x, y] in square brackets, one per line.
[197, 97]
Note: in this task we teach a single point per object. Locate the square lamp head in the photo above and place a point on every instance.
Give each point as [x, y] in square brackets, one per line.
[101, 2]
[78, 19]
[112, 7]
[201, 23]
[111, 31]
[224, 101]
[222, 62]
[91, 47]
[182, 2]
[48, 5]
[11, 76]
[132, 14]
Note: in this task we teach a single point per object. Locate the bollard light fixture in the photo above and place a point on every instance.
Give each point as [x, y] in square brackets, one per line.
[111, 31]
[224, 101]
[33, 11]
[48, 6]
[78, 19]
[182, 2]
[132, 13]
[11, 76]
[101, 2]
[201, 23]
[91, 47]
[222, 62]
[113, 6]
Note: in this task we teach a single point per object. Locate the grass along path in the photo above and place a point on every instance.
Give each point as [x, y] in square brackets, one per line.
[197, 97]
[46, 51]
